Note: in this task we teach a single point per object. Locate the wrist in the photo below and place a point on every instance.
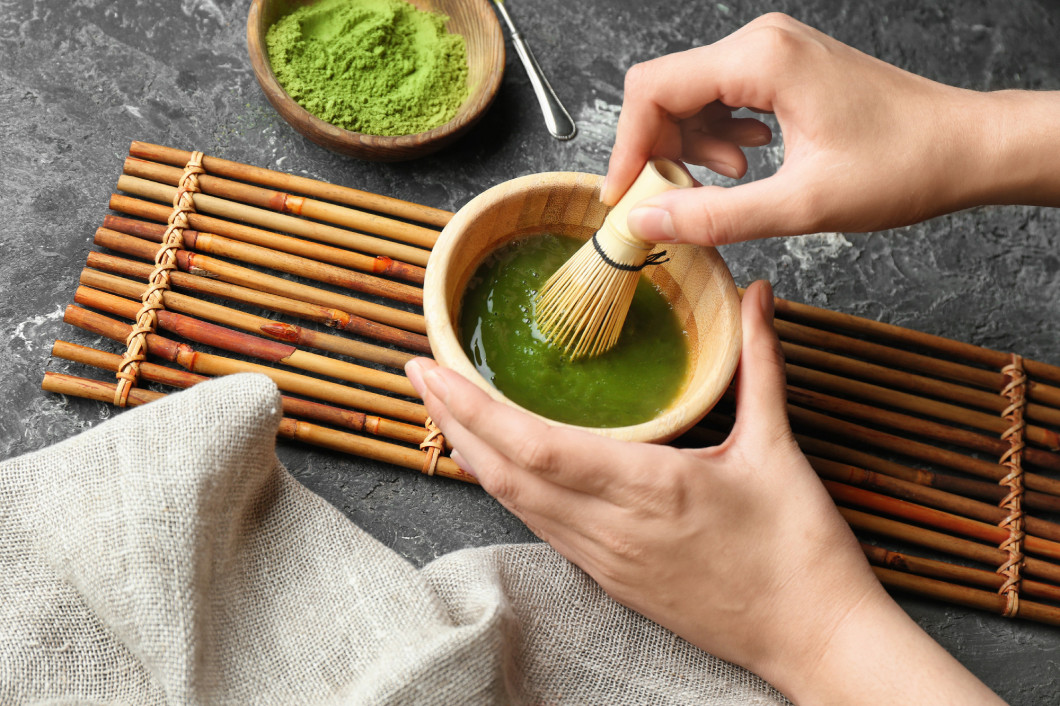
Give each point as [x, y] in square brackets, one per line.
[806, 666]
[877, 654]
[1017, 138]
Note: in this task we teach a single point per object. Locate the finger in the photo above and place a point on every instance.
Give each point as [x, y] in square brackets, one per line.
[475, 456]
[713, 139]
[659, 90]
[559, 515]
[716, 215]
[746, 132]
[491, 435]
[627, 161]
[724, 157]
[761, 400]
[717, 119]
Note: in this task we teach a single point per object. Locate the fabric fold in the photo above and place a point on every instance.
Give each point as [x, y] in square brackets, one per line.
[167, 557]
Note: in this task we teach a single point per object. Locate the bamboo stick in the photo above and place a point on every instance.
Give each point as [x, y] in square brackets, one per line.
[963, 595]
[954, 546]
[904, 380]
[990, 380]
[845, 454]
[111, 362]
[333, 318]
[836, 474]
[933, 568]
[288, 203]
[206, 266]
[925, 495]
[801, 417]
[246, 344]
[215, 365]
[324, 437]
[952, 484]
[291, 264]
[937, 519]
[410, 459]
[926, 428]
[281, 180]
[181, 303]
[373, 449]
[946, 347]
[857, 468]
[817, 379]
[206, 204]
[293, 406]
[376, 265]
[94, 389]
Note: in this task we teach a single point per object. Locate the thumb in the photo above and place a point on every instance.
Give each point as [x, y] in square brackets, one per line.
[716, 215]
[761, 398]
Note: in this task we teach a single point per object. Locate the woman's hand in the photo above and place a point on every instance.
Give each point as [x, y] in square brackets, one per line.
[867, 146]
[736, 548]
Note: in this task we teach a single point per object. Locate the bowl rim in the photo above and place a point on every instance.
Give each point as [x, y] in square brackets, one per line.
[273, 90]
[441, 326]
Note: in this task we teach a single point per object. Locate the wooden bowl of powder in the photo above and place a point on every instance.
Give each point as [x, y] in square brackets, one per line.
[384, 80]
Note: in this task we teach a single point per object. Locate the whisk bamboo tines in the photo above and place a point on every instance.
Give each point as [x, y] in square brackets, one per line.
[582, 307]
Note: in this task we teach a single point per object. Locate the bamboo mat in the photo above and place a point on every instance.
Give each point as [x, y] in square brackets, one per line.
[942, 456]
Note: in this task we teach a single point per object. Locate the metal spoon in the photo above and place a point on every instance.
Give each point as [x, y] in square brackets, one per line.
[557, 119]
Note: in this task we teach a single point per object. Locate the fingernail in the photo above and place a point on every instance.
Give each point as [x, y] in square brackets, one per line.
[759, 139]
[652, 224]
[767, 298]
[414, 371]
[459, 459]
[603, 190]
[723, 169]
[437, 385]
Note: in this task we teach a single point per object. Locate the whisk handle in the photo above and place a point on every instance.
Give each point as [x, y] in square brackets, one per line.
[658, 176]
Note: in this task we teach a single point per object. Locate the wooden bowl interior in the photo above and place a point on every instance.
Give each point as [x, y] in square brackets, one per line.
[695, 281]
[474, 19]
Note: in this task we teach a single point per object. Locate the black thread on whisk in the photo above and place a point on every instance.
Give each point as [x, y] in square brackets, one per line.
[655, 258]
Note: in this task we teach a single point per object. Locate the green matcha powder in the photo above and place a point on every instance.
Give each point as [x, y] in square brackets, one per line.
[379, 67]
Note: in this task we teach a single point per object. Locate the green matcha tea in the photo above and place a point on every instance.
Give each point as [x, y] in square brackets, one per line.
[381, 67]
[629, 384]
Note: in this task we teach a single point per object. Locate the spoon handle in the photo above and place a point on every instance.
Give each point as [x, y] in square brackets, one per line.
[557, 119]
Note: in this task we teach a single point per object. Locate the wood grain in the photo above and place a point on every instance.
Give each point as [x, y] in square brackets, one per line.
[695, 280]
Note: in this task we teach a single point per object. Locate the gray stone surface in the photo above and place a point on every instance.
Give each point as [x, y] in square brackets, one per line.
[80, 79]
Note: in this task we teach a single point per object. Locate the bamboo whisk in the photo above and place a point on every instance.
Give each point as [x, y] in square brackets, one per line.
[582, 307]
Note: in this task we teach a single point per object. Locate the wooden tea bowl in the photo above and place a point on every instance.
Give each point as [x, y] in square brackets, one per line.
[695, 280]
[474, 19]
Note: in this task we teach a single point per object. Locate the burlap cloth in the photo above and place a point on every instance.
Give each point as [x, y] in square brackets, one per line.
[166, 556]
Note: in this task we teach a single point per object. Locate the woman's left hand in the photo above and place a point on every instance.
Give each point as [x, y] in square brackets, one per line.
[737, 548]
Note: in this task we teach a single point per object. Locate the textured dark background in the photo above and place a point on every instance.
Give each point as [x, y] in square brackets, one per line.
[80, 79]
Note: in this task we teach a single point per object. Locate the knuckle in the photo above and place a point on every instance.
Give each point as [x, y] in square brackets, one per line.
[704, 223]
[635, 76]
[776, 44]
[775, 19]
[536, 453]
[641, 78]
[500, 485]
[624, 551]
[658, 495]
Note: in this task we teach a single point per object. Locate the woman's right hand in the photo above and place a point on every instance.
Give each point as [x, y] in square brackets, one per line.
[867, 146]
